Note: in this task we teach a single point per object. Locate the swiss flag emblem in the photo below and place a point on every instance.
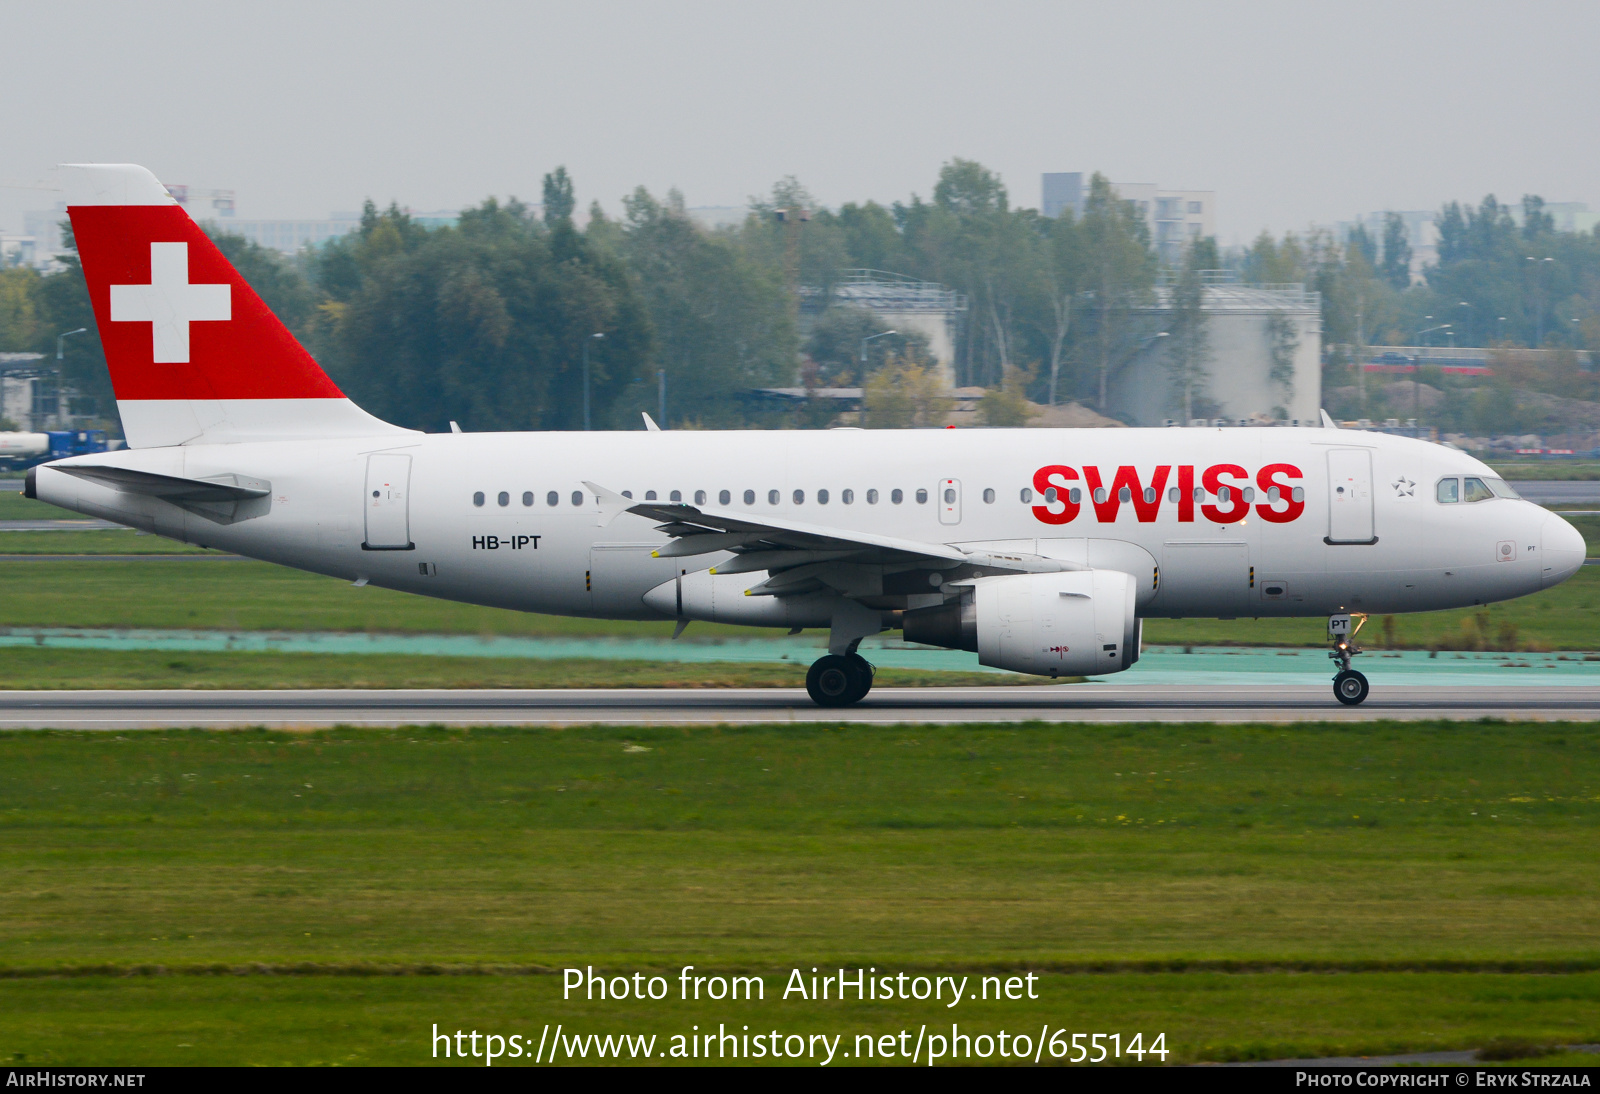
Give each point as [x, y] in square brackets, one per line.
[170, 303]
[176, 319]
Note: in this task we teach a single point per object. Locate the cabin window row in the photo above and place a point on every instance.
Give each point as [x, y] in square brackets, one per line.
[1448, 491]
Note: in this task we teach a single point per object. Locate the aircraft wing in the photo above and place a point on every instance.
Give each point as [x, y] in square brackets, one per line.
[697, 530]
[799, 556]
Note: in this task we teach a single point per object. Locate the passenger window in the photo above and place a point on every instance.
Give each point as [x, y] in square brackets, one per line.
[527, 496]
[1049, 495]
[1027, 496]
[699, 497]
[1299, 493]
[988, 497]
[1075, 495]
[724, 498]
[1249, 494]
[822, 497]
[772, 497]
[847, 496]
[897, 496]
[1475, 490]
[1272, 495]
[577, 497]
[872, 497]
[799, 497]
[1199, 493]
[922, 497]
[676, 495]
[626, 493]
[1149, 494]
[477, 498]
[1448, 491]
[1100, 494]
[949, 496]
[1172, 494]
[1125, 495]
[552, 498]
[504, 498]
[749, 497]
[649, 495]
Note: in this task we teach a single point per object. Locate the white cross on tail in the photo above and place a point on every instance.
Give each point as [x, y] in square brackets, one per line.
[169, 303]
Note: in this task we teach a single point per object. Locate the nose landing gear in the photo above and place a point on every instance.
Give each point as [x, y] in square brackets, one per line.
[1349, 686]
[839, 680]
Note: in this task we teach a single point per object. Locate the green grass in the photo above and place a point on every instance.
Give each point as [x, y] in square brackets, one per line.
[13, 506]
[1546, 470]
[118, 541]
[1380, 854]
[32, 668]
[243, 595]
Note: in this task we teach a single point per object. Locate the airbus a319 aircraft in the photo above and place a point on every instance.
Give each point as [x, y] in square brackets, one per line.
[1041, 550]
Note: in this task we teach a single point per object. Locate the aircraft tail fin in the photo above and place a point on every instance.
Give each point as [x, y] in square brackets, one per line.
[195, 356]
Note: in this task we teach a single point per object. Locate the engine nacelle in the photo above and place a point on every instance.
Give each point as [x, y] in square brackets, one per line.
[1078, 623]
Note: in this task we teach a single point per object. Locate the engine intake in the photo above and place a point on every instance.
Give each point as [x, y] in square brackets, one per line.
[1063, 624]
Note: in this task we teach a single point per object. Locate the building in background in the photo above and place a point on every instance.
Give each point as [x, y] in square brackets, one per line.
[1175, 217]
[900, 303]
[1263, 361]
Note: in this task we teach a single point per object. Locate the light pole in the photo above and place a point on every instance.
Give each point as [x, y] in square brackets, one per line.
[62, 338]
[1500, 328]
[586, 343]
[1538, 297]
[864, 341]
[1471, 314]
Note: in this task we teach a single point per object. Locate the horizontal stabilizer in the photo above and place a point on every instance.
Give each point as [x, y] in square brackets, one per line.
[173, 488]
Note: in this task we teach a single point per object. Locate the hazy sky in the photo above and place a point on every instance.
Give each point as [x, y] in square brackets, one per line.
[1292, 112]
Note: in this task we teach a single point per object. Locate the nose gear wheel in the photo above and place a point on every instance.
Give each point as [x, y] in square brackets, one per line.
[1349, 686]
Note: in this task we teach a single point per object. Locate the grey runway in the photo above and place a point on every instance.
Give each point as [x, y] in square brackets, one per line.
[1559, 492]
[1067, 703]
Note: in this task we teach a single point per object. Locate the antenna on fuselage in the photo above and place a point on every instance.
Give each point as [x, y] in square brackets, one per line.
[650, 423]
[1328, 422]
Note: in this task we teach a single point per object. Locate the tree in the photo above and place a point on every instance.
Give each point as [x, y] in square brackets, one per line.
[721, 315]
[1189, 342]
[1007, 406]
[19, 310]
[904, 395]
[1396, 267]
[1120, 273]
[1065, 273]
[482, 323]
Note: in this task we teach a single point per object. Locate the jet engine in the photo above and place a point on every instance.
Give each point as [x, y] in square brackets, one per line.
[1077, 623]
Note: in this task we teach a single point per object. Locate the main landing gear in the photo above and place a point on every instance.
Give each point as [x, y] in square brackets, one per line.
[838, 680]
[1349, 686]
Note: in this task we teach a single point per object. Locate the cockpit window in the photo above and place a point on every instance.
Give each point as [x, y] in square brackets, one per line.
[1448, 491]
[1502, 488]
[1475, 490]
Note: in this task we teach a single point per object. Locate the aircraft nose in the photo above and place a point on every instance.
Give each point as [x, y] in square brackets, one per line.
[1563, 548]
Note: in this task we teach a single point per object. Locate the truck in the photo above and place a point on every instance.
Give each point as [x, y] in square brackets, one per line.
[19, 450]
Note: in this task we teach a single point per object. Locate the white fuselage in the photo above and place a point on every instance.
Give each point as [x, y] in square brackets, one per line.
[400, 512]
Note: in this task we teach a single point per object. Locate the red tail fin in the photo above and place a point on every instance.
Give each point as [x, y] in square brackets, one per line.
[195, 356]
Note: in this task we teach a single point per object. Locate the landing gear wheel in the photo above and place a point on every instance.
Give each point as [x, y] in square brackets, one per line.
[863, 675]
[1350, 687]
[834, 681]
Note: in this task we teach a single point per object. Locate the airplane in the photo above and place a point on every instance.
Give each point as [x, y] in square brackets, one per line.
[1041, 550]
